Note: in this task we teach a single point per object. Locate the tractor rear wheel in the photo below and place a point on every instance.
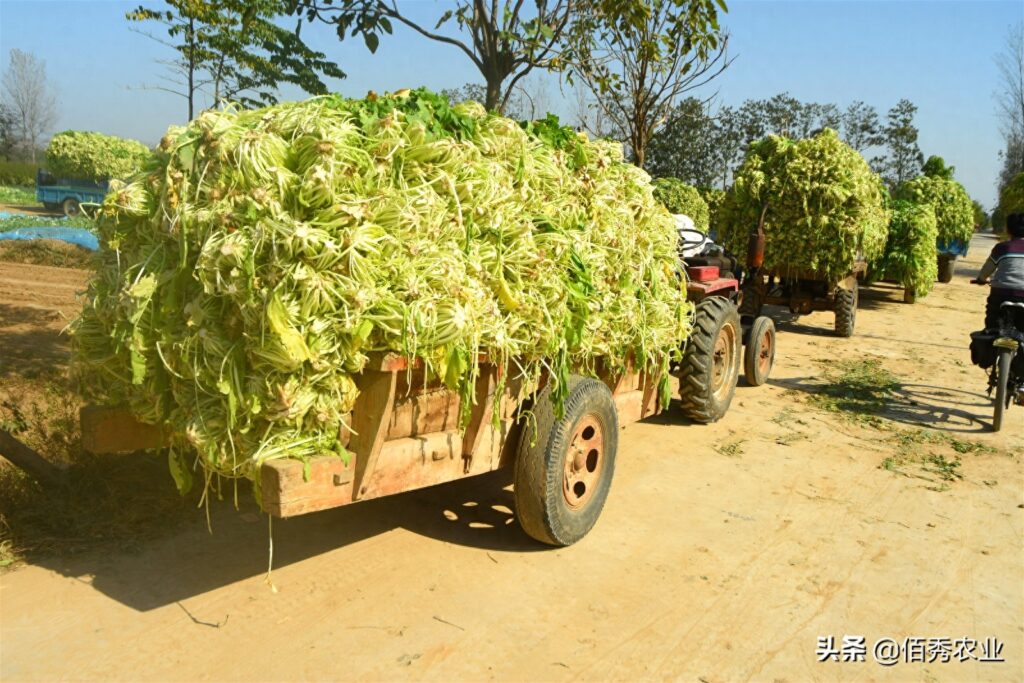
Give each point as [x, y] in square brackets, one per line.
[711, 361]
[846, 310]
[564, 465]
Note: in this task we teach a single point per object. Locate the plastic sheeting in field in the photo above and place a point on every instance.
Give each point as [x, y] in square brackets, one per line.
[82, 238]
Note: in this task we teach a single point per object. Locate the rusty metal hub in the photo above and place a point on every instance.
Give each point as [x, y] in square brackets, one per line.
[584, 462]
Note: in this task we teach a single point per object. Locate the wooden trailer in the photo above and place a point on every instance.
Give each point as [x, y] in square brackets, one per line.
[803, 291]
[405, 435]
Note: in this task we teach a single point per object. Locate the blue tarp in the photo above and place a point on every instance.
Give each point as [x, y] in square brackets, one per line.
[952, 247]
[79, 236]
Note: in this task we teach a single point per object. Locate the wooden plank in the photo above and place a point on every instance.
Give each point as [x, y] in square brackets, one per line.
[389, 361]
[371, 416]
[115, 430]
[629, 405]
[415, 462]
[287, 492]
[491, 446]
[649, 387]
[437, 410]
[481, 412]
[27, 459]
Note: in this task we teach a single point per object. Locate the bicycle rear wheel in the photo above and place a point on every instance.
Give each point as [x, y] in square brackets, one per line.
[1002, 381]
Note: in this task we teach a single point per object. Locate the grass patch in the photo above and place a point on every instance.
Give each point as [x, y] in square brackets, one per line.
[857, 389]
[24, 221]
[46, 253]
[731, 449]
[18, 195]
[105, 501]
[933, 456]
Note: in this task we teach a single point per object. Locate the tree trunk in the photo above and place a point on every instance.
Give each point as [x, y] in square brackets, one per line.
[494, 102]
[191, 66]
[638, 141]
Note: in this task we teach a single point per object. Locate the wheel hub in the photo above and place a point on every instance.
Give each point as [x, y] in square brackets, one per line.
[722, 361]
[764, 359]
[583, 462]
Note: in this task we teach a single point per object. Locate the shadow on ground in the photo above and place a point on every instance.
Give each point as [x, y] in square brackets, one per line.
[28, 344]
[920, 405]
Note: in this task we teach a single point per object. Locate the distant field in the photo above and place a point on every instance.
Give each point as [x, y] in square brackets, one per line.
[17, 195]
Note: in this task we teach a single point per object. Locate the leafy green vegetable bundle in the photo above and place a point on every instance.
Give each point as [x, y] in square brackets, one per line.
[249, 270]
[678, 197]
[94, 156]
[823, 207]
[954, 211]
[713, 197]
[910, 254]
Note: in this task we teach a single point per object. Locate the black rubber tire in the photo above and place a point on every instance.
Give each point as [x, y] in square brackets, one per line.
[1002, 381]
[846, 310]
[752, 302]
[946, 267]
[541, 506]
[71, 207]
[909, 296]
[760, 344]
[696, 371]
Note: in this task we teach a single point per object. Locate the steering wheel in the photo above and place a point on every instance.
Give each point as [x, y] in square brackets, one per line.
[689, 238]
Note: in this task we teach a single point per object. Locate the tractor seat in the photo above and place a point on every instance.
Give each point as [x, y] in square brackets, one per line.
[724, 263]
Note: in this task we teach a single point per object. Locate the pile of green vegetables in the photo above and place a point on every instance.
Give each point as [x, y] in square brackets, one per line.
[83, 155]
[678, 197]
[954, 211]
[713, 197]
[251, 267]
[910, 254]
[823, 207]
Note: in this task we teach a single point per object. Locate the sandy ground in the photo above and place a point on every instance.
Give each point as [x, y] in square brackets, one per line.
[709, 563]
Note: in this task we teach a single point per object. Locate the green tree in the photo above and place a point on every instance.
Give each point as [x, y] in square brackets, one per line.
[687, 147]
[981, 217]
[638, 64]
[936, 167]
[231, 50]
[902, 159]
[506, 41]
[861, 127]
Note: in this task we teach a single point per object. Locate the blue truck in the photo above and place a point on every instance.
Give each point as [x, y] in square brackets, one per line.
[949, 251]
[68, 194]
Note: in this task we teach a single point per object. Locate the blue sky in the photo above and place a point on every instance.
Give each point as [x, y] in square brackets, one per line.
[937, 54]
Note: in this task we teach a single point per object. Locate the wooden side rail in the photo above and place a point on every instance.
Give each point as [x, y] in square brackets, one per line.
[402, 436]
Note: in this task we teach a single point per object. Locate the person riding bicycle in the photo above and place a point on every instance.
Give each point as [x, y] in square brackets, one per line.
[1005, 265]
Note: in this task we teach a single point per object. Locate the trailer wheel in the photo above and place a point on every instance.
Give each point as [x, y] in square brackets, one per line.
[711, 361]
[71, 207]
[846, 310]
[563, 473]
[946, 266]
[759, 354]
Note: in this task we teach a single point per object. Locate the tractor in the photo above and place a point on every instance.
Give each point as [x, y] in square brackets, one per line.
[710, 366]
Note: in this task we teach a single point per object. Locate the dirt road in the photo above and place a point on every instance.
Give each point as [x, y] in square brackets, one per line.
[723, 554]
